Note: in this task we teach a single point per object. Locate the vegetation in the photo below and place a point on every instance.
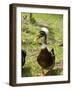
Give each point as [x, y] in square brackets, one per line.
[30, 27]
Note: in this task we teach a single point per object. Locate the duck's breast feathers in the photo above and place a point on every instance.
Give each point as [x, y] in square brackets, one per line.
[45, 58]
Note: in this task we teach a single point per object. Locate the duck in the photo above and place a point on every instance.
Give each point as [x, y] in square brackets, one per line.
[46, 57]
[23, 56]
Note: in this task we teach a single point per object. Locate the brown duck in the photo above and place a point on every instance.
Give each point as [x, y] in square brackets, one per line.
[46, 58]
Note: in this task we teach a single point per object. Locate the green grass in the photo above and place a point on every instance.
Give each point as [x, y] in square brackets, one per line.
[29, 30]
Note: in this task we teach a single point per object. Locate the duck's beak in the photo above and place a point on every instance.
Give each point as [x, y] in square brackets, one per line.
[37, 37]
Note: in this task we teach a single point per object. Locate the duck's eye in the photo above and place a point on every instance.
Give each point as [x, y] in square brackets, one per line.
[42, 33]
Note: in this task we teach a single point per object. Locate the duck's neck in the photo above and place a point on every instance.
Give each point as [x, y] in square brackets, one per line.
[44, 42]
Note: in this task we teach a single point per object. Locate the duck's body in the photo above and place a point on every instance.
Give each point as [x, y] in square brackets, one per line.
[46, 58]
[23, 52]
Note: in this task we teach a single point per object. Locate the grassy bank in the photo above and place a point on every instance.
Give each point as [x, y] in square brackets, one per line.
[29, 29]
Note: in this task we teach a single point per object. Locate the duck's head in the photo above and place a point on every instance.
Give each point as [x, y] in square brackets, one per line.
[43, 33]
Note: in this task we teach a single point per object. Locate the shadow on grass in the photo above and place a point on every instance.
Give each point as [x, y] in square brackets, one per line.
[26, 72]
[57, 71]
